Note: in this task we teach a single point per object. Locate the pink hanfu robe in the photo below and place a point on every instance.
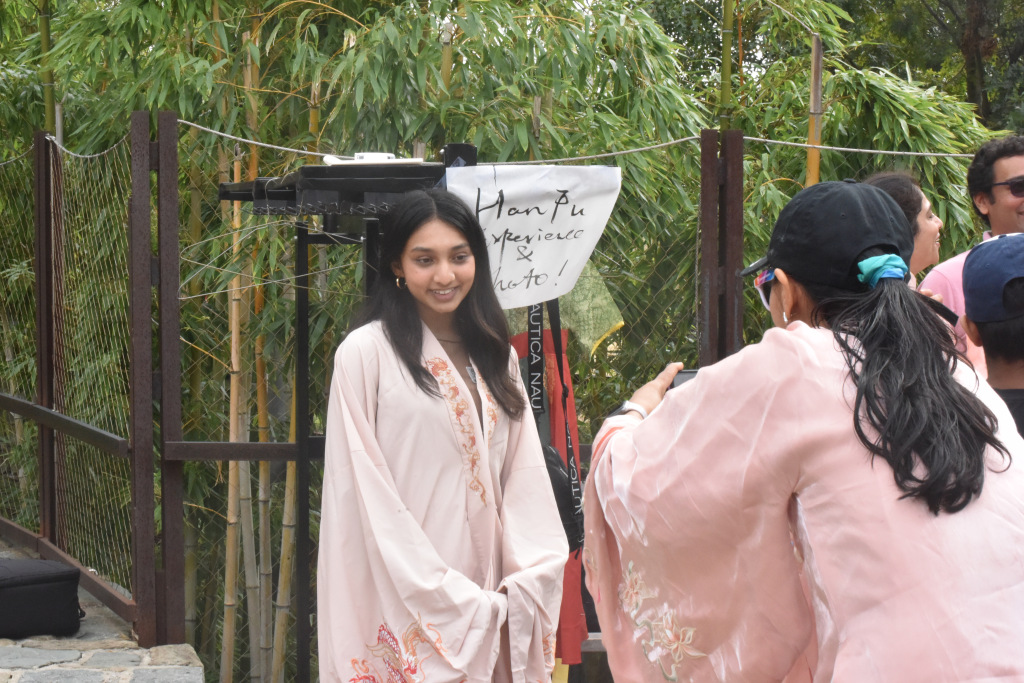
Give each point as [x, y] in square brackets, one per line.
[438, 529]
[743, 533]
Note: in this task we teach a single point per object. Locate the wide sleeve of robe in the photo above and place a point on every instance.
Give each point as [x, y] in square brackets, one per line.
[437, 529]
[743, 533]
[688, 553]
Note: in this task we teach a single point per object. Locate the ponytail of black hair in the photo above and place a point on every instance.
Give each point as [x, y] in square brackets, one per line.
[909, 409]
[479, 320]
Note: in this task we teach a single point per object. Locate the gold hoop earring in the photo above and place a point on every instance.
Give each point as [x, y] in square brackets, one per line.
[398, 283]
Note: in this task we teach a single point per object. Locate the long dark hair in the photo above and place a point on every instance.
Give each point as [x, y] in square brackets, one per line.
[478, 320]
[901, 356]
[905, 189]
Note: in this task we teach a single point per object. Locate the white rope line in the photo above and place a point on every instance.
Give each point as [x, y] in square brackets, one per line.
[535, 161]
[20, 156]
[86, 156]
[864, 151]
[230, 247]
[597, 156]
[260, 144]
[227, 235]
[255, 284]
[243, 235]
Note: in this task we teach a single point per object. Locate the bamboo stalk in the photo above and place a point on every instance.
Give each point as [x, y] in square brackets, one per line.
[252, 579]
[249, 564]
[231, 537]
[814, 119]
[447, 35]
[282, 608]
[266, 568]
[266, 578]
[725, 103]
[227, 650]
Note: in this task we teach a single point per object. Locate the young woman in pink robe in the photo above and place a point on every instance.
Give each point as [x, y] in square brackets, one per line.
[441, 549]
[842, 501]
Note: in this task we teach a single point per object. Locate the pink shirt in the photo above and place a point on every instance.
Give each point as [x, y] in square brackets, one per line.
[743, 533]
[947, 279]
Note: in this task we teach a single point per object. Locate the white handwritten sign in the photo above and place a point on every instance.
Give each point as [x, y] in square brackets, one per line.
[541, 223]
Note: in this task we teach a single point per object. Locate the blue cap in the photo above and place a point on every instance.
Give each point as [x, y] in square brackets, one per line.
[989, 267]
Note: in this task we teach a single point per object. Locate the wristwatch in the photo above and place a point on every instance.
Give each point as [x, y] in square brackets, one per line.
[628, 406]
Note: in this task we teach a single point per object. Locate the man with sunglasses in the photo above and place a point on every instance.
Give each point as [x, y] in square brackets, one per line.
[995, 182]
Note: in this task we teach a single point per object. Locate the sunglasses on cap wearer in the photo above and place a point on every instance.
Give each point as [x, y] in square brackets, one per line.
[1015, 185]
[762, 284]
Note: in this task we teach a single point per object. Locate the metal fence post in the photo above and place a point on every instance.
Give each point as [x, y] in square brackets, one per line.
[171, 578]
[140, 278]
[44, 329]
[710, 284]
[304, 606]
[731, 242]
[720, 306]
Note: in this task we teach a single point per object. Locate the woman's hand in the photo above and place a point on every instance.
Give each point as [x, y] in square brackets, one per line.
[650, 395]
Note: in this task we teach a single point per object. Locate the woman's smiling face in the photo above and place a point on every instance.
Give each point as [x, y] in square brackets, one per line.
[926, 241]
[438, 266]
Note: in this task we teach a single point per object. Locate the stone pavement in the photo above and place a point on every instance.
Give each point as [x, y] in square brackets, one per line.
[102, 651]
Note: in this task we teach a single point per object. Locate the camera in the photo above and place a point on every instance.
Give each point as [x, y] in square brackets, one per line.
[683, 376]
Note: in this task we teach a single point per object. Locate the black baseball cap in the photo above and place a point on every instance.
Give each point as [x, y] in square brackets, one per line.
[823, 230]
[988, 268]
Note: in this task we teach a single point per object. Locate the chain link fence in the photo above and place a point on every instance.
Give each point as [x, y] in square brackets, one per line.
[91, 361]
[237, 272]
[90, 379]
[19, 472]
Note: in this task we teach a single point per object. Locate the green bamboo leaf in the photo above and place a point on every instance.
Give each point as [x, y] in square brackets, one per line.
[523, 134]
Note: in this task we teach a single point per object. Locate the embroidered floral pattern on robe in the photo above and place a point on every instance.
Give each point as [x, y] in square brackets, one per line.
[492, 413]
[400, 661]
[549, 648]
[665, 639]
[460, 408]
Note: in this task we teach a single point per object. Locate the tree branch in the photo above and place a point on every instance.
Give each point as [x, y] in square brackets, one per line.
[941, 21]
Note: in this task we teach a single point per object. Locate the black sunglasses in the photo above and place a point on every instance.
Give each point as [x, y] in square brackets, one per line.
[1015, 185]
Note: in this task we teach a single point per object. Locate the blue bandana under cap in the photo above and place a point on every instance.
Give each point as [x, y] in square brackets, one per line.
[878, 267]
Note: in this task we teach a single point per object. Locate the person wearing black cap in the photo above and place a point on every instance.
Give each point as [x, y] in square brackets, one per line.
[994, 315]
[812, 507]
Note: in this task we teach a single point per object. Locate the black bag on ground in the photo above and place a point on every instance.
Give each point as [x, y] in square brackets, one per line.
[38, 597]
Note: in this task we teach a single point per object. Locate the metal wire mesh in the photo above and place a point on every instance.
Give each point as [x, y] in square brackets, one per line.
[651, 277]
[19, 471]
[91, 369]
[229, 255]
[93, 506]
[17, 279]
[19, 479]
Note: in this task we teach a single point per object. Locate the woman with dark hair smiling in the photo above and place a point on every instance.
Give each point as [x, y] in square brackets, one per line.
[842, 501]
[924, 224]
[441, 548]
